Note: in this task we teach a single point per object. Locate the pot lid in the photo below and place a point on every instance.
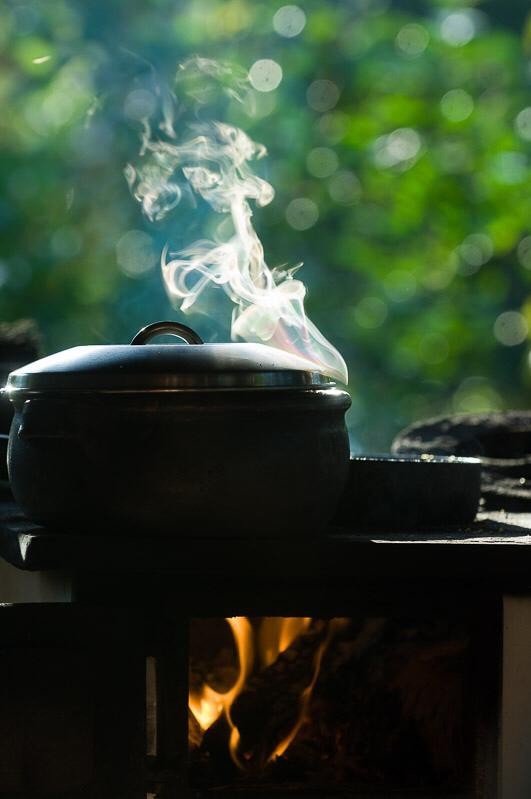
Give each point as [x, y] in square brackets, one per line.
[140, 366]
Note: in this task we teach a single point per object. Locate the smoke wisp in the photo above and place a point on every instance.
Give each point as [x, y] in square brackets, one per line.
[214, 160]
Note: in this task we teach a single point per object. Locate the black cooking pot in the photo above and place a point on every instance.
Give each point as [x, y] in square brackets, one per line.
[188, 439]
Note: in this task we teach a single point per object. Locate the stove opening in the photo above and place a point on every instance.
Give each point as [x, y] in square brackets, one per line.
[302, 704]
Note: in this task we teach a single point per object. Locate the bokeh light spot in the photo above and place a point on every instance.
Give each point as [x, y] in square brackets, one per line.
[136, 253]
[322, 162]
[473, 252]
[322, 95]
[458, 28]
[302, 213]
[289, 21]
[265, 75]
[259, 104]
[510, 328]
[412, 39]
[457, 105]
[398, 149]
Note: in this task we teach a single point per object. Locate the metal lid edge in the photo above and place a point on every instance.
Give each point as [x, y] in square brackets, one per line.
[28, 382]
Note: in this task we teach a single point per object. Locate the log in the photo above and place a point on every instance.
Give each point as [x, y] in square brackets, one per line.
[269, 707]
[389, 710]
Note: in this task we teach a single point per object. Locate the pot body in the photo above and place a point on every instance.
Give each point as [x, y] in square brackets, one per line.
[187, 463]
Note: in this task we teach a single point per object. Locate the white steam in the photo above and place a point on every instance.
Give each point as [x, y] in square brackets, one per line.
[214, 162]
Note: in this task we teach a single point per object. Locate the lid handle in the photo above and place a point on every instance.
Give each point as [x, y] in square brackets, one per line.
[173, 328]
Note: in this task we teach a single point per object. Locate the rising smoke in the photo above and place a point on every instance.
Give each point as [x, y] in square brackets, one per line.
[213, 160]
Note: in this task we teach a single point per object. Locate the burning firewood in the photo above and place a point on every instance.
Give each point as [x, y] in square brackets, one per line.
[390, 709]
[268, 709]
[369, 702]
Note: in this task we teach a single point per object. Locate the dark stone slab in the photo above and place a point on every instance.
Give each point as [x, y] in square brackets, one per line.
[492, 548]
[501, 440]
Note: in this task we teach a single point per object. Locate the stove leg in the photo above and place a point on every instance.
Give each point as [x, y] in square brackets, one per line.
[170, 651]
[119, 679]
[515, 748]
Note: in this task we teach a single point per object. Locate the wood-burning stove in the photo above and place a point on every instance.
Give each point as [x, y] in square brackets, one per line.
[399, 701]
[424, 630]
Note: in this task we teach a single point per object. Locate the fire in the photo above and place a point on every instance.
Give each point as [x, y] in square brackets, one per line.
[207, 705]
[276, 634]
[261, 645]
[333, 627]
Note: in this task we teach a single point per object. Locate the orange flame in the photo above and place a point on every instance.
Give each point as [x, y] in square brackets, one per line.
[273, 637]
[276, 634]
[334, 626]
[207, 705]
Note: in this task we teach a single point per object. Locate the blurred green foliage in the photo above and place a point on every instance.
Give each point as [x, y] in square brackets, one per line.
[399, 141]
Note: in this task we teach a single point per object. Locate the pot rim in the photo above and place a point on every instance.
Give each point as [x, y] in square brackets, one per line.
[264, 382]
[22, 382]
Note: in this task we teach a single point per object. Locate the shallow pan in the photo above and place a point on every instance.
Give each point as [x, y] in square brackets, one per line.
[410, 492]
